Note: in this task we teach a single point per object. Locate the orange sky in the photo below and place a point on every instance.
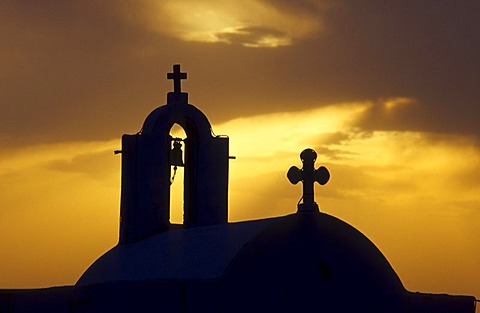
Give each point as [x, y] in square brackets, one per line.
[386, 93]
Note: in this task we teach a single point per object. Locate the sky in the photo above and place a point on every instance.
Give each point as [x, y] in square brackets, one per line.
[386, 92]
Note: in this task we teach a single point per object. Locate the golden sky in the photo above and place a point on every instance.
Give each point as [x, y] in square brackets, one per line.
[385, 92]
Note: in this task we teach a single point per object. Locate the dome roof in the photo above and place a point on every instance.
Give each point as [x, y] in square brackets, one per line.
[304, 247]
[314, 246]
[308, 260]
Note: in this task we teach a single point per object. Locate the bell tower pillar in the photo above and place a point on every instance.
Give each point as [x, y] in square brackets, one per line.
[146, 169]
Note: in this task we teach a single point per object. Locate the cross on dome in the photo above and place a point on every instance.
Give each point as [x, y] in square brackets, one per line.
[308, 175]
[177, 77]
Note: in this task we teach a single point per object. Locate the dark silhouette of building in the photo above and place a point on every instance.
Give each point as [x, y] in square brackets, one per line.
[307, 261]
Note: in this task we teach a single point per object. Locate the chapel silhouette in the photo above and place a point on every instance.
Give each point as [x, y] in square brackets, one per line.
[306, 261]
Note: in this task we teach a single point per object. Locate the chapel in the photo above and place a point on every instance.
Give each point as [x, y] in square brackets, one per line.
[302, 262]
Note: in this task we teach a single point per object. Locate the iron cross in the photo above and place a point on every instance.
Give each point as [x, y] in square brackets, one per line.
[177, 77]
[308, 175]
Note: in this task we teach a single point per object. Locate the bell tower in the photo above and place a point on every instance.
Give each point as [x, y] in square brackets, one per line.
[147, 162]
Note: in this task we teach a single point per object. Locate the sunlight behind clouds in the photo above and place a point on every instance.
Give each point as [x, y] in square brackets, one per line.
[385, 183]
[412, 193]
[287, 132]
[404, 167]
[391, 104]
[250, 23]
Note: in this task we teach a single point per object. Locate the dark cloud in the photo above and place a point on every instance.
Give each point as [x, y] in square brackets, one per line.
[93, 165]
[252, 36]
[304, 7]
[82, 71]
[424, 50]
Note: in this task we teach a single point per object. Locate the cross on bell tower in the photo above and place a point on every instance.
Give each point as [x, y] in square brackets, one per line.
[147, 169]
[308, 175]
[177, 77]
[177, 96]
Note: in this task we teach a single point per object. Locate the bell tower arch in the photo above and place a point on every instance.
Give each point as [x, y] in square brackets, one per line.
[146, 169]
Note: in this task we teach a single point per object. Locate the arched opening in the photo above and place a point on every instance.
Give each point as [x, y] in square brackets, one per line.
[177, 180]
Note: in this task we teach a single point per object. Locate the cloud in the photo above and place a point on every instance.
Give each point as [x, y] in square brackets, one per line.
[403, 167]
[48, 211]
[410, 192]
[255, 37]
[402, 149]
[232, 22]
[93, 70]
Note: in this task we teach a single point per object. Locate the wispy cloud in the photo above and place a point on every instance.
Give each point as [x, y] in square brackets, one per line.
[384, 182]
[250, 23]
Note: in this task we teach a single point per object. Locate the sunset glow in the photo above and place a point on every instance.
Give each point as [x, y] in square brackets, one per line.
[386, 94]
[231, 22]
[396, 174]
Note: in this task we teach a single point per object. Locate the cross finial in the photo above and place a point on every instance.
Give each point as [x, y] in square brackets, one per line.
[308, 175]
[177, 77]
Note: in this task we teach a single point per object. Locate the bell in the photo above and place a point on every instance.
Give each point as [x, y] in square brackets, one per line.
[176, 154]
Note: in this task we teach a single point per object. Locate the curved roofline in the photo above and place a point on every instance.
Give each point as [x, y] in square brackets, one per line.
[315, 231]
[193, 121]
[210, 252]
